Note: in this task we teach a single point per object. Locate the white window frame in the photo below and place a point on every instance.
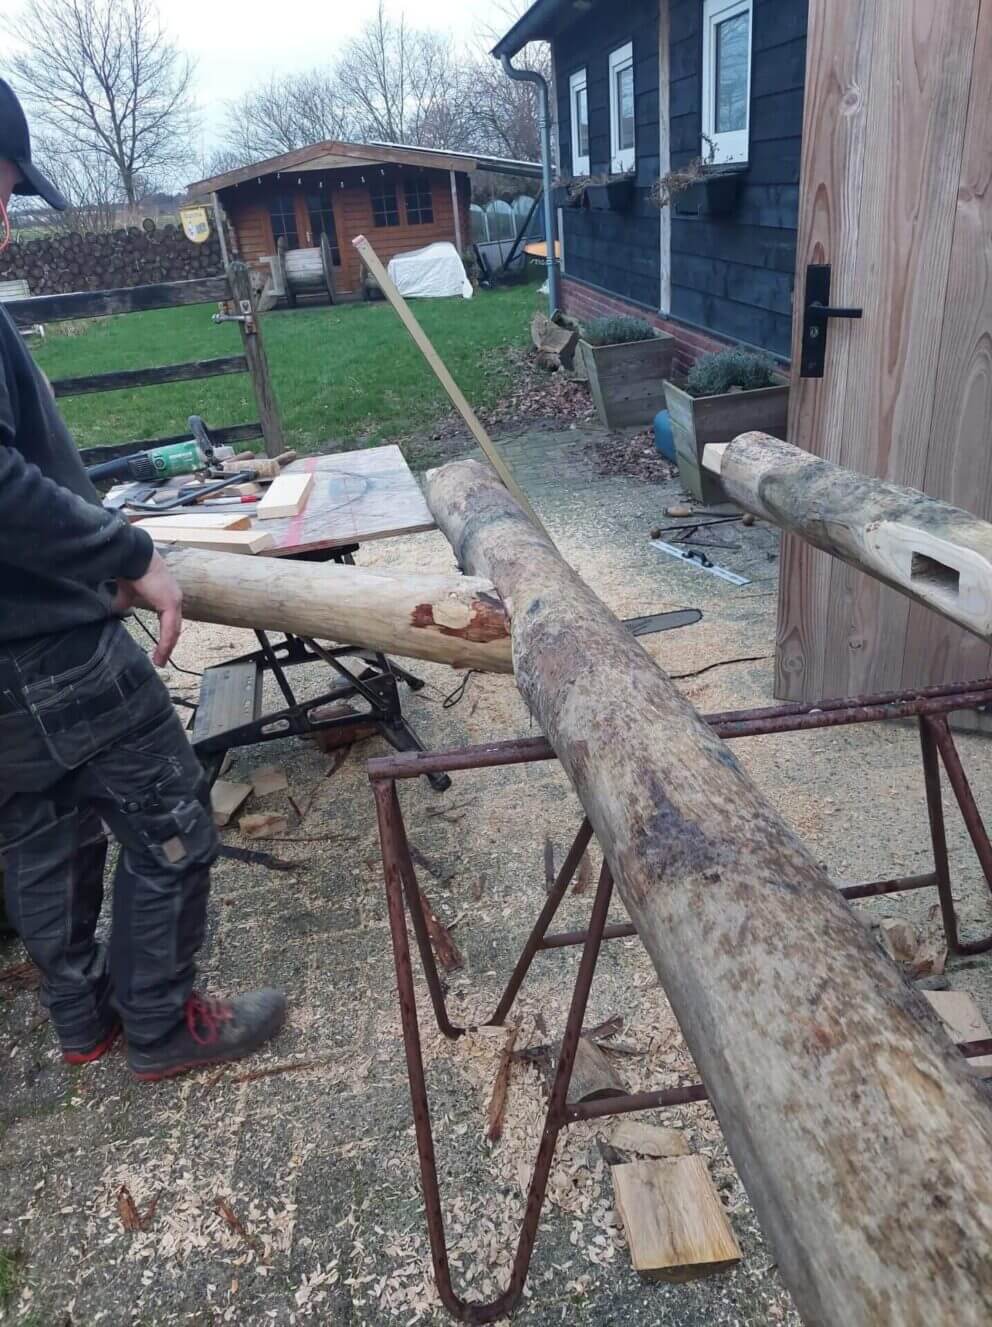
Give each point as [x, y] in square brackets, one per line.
[578, 82]
[622, 159]
[732, 146]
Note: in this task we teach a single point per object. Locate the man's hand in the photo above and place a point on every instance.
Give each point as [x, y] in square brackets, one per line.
[157, 590]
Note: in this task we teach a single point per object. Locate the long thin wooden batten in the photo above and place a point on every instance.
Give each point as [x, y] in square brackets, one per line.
[931, 551]
[458, 399]
[456, 620]
[859, 1133]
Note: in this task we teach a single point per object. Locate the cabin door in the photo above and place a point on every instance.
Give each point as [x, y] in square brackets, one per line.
[896, 215]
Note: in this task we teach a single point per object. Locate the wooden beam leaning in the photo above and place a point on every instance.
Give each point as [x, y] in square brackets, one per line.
[455, 620]
[128, 299]
[129, 378]
[857, 1129]
[929, 550]
[258, 363]
[458, 399]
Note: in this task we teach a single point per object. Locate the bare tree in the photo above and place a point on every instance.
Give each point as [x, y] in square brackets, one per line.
[103, 78]
[404, 85]
[89, 182]
[286, 113]
[506, 112]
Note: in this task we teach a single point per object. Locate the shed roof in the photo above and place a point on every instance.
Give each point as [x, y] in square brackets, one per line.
[333, 155]
[543, 21]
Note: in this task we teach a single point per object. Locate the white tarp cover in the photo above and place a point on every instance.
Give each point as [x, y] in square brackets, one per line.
[430, 273]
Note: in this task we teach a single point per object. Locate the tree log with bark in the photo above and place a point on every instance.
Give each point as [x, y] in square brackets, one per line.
[929, 550]
[455, 620]
[859, 1132]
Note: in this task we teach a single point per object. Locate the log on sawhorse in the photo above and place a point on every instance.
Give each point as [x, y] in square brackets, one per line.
[812, 1046]
[937, 554]
[929, 708]
[457, 620]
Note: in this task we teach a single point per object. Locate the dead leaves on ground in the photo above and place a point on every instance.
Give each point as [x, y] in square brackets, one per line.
[127, 1210]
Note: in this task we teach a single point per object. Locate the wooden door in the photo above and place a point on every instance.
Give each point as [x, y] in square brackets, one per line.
[896, 197]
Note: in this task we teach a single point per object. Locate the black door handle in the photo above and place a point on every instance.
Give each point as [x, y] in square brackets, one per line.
[817, 312]
[824, 311]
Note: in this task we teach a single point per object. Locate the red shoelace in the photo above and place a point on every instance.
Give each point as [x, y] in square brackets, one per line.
[204, 1017]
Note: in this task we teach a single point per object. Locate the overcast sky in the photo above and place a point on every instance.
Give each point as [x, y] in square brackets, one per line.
[238, 44]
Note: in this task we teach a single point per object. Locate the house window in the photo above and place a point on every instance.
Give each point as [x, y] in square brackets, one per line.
[322, 222]
[622, 108]
[726, 79]
[282, 213]
[579, 103]
[419, 204]
[385, 208]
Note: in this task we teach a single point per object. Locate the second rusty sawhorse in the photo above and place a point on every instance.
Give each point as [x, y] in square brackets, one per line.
[930, 707]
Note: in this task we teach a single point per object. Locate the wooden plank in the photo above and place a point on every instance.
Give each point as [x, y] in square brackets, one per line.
[963, 1020]
[221, 541]
[893, 210]
[840, 43]
[959, 461]
[258, 364]
[286, 496]
[202, 520]
[131, 378]
[129, 299]
[921, 76]
[650, 1140]
[358, 496]
[675, 1224]
[458, 399]
[225, 798]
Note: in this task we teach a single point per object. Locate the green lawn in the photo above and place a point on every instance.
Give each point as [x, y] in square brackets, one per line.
[348, 375]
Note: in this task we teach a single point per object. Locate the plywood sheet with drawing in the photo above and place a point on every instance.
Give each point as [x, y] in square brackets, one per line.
[356, 496]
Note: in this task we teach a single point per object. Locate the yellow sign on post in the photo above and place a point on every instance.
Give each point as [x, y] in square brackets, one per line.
[196, 224]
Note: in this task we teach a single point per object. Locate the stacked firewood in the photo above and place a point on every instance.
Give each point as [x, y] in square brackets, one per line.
[135, 256]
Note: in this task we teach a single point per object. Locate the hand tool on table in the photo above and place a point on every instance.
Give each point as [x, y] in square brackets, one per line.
[158, 465]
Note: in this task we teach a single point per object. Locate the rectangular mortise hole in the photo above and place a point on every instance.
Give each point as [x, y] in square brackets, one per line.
[936, 575]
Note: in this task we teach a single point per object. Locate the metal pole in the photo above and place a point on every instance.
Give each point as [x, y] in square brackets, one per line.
[544, 120]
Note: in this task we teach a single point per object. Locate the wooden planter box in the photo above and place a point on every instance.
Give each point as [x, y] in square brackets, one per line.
[614, 196]
[698, 420]
[628, 379]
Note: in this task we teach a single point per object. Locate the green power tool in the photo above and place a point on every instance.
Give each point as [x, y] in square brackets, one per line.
[169, 462]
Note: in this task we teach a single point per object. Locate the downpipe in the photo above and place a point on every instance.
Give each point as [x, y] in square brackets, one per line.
[544, 122]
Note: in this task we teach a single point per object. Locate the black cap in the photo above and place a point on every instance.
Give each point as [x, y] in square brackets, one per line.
[15, 146]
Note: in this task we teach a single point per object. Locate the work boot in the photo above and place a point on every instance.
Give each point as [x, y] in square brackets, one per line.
[212, 1032]
[87, 1054]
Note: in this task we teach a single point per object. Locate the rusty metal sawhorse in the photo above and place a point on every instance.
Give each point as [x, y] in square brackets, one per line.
[930, 707]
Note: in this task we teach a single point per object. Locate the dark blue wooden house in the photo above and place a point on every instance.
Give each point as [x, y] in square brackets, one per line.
[644, 86]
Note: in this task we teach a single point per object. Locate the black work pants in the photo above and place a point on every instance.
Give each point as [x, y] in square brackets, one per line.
[89, 738]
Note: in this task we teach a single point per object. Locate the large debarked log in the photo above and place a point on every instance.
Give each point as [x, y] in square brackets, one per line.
[861, 1136]
[447, 619]
[931, 551]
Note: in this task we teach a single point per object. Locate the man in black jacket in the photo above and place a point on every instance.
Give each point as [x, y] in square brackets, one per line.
[88, 737]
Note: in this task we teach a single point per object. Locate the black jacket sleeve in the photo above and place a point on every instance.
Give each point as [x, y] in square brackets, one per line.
[46, 528]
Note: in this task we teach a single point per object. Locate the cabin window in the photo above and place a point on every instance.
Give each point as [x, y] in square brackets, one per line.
[622, 108]
[282, 212]
[579, 104]
[385, 208]
[419, 203]
[322, 222]
[726, 79]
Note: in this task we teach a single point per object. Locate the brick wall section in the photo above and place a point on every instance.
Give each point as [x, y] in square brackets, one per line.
[584, 301]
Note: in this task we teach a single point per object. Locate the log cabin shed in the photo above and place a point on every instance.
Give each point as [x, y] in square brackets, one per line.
[644, 87]
[401, 197]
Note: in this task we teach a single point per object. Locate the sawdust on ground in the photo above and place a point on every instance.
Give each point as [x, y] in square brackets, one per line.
[293, 1195]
